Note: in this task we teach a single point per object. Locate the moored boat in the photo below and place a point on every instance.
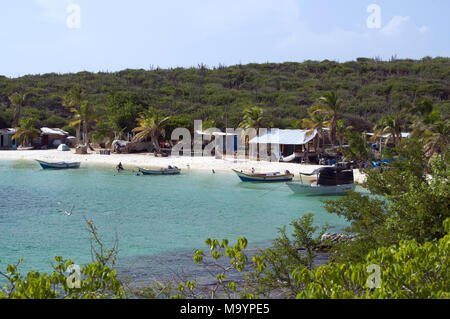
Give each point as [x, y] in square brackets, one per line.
[58, 165]
[330, 181]
[162, 171]
[264, 177]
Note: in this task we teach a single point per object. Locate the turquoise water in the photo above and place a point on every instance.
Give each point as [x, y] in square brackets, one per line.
[152, 215]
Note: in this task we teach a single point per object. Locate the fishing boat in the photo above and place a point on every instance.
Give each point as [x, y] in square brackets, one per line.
[58, 165]
[162, 171]
[264, 177]
[330, 181]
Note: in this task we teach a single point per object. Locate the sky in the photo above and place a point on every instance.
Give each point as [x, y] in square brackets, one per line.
[62, 36]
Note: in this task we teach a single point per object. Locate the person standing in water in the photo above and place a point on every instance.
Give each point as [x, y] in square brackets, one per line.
[119, 167]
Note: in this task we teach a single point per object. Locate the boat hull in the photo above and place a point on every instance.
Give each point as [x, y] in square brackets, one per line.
[59, 165]
[309, 190]
[263, 178]
[165, 171]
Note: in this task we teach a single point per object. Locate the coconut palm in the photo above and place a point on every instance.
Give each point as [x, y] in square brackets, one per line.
[18, 100]
[437, 139]
[83, 117]
[208, 124]
[253, 117]
[26, 132]
[422, 108]
[342, 131]
[331, 105]
[427, 126]
[151, 125]
[73, 100]
[357, 150]
[316, 122]
[390, 126]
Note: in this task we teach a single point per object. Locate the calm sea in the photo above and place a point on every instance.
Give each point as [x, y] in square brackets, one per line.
[159, 220]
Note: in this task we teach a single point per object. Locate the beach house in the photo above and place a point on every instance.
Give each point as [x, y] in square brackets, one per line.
[292, 144]
[53, 137]
[6, 141]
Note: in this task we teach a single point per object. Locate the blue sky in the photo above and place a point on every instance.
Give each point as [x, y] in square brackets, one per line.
[114, 35]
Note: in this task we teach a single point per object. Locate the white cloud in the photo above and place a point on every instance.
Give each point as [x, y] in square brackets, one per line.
[399, 25]
[395, 25]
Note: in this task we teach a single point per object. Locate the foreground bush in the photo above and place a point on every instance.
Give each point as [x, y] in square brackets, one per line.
[409, 270]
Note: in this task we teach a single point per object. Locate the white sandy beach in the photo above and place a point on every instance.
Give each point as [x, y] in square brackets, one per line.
[148, 160]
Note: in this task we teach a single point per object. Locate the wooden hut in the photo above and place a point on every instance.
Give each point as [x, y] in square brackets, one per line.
[53, 137]
[6, 141]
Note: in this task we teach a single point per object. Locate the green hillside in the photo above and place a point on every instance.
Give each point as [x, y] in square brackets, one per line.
[369, 87]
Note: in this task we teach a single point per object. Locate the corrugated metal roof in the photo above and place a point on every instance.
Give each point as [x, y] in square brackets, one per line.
[286, 137]
[404, 135]
[214, 133]
[5, 131]
[53, 131]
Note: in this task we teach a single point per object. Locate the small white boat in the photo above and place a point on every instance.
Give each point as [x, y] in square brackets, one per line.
[264, 177]
[330, 181]
[162, 171]
[314, 189]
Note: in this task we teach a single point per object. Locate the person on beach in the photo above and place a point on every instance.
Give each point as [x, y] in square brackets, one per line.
[119, 167]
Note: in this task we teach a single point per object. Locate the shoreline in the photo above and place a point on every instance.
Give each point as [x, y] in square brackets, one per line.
[148, 160]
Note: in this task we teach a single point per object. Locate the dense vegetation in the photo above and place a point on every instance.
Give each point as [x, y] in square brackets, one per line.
[369, 89]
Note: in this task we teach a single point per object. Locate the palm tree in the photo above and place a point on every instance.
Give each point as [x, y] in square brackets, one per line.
[83, 117]
[26, 132]
[342, 131]
[208, 124]
[18, 100]
[437, 139]
[422, 117]
[331, 105]
[357, 150]
[151, 125]
[73, 100]
[422, 108]
[427, 126]
[317, 122]
[390, 126]
[253, 117]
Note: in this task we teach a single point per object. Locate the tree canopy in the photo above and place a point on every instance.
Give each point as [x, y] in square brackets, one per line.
[369, 89]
